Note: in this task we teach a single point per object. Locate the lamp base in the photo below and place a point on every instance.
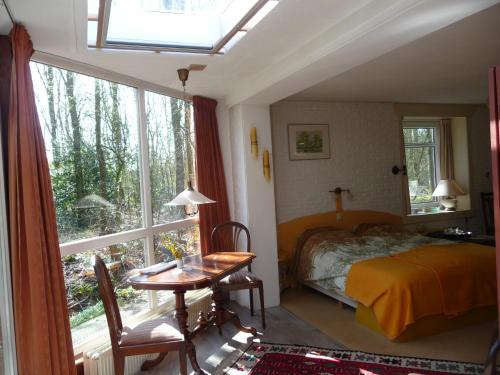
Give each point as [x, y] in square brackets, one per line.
[449, 204]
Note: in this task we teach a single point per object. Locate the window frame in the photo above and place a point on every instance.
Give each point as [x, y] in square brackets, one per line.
[148, 230]
[422, 124]
[103, 16]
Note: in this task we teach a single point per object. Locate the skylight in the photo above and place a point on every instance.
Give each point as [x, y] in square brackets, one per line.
[202, 26]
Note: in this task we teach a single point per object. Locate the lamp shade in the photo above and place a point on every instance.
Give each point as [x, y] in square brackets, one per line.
[448, 188]
[189, 197]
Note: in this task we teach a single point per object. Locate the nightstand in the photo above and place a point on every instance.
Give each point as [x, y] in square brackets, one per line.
[480, 239]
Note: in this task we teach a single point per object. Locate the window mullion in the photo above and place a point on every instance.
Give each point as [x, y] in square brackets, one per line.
[147, 212]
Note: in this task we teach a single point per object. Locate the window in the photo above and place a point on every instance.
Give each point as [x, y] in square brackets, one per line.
[422, 165]
[206, 26]
[117, 155]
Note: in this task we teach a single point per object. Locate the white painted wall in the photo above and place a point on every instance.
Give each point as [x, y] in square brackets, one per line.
[365, 144]
[364, 147]
[254, 203]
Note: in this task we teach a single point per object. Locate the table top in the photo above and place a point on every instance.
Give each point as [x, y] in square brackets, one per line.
[196, 274]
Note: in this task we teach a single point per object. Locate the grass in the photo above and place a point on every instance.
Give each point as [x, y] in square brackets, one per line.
[88, 314]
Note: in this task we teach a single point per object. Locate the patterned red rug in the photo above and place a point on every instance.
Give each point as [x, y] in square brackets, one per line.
[281, 359]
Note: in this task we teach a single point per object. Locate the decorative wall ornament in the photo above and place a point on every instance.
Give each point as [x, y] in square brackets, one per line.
[254, 146]
[266, 165]
[308, 141]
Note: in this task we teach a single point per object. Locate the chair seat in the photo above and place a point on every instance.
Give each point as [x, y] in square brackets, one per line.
[154, 331]
[240, 277]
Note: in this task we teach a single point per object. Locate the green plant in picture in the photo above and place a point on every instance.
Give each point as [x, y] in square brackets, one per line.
[172, 246]
[309, 142]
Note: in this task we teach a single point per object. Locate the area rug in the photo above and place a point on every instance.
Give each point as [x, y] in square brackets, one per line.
[280, 359]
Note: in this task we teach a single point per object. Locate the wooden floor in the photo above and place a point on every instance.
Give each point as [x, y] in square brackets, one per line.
[214, 352]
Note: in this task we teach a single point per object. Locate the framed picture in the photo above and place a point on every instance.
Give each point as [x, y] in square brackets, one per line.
[308, 141]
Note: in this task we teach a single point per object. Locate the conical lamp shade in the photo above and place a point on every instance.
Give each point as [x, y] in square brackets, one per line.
[190, 196]
[448, 188]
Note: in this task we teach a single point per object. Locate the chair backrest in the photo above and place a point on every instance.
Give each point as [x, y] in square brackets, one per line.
[489, 220]
[226, 236]
[109, 300]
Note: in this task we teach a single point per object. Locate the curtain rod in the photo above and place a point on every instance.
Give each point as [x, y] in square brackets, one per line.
[9, 13]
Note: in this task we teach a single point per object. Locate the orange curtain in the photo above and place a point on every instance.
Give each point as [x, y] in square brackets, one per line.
[43, 336]
[209, 170]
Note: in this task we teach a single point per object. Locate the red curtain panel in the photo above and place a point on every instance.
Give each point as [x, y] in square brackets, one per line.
[43, 336]
[209, 170]
[494, 104]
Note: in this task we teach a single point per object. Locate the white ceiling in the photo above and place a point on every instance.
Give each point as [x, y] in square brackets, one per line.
[447, 66]
[298, 45]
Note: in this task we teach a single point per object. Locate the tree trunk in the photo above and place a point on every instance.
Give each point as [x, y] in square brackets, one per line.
[176, 109]
[101, 159]
[56, 152]
[77, 139]
[118, 147]
[188, 143]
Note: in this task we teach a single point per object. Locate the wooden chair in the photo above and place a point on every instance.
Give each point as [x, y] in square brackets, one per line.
[153, 336]
[230, 232]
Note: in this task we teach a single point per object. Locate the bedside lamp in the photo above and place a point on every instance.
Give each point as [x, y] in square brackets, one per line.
[190, 197]
[448, 190]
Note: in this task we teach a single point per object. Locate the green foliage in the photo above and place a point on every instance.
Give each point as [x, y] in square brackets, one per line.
[91, 137]
[420, 163]
[81, 290]
[126, 295]
[87, 314]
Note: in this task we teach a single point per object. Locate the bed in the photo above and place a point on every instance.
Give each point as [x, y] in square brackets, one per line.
[402, 284]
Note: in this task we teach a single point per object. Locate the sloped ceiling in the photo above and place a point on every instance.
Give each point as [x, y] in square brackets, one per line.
[5, 22]
[447, 66]
[298, 45]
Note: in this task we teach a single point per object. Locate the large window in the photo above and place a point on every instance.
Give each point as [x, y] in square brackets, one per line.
[422, 160]
[117, 155]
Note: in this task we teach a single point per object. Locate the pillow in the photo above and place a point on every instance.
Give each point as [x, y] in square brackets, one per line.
[379, 229]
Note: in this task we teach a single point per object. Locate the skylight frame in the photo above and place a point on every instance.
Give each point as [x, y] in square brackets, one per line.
[103, 18]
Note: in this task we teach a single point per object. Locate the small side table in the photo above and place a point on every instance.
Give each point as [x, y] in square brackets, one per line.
[480, 239]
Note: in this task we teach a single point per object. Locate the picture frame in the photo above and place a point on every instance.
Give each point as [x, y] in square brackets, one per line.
[308, 141]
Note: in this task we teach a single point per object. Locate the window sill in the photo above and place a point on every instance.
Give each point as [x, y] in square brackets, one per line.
[437, 216]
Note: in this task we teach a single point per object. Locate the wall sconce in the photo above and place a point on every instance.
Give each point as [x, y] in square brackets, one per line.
[266, 165]
[254, 146]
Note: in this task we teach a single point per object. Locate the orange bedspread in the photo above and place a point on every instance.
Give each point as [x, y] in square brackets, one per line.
[428, 280]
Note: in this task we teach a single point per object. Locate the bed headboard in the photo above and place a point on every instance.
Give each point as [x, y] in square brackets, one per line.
[290, 231]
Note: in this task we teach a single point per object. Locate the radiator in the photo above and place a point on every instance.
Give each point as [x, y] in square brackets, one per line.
[99, 361]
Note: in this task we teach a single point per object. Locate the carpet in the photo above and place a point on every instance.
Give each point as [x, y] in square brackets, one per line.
[284, 359]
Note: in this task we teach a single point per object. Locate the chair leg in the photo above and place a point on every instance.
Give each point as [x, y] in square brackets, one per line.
[262, 309]
[182, 361]
[251, 301]
[119, 362]
[150, 363]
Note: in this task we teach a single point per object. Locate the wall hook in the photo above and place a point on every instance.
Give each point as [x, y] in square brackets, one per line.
[396, 170]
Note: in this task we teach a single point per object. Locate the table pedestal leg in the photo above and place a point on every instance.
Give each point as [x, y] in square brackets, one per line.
[181, 316]
[223, 315]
